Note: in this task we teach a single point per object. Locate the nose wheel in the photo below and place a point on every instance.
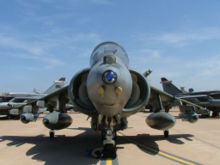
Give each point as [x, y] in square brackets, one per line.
[109, 151]
[52, 134]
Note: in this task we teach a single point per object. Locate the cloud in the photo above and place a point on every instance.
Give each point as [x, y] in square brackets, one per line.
[91, 37]
[47, 48]
[74, 1]
[151, 52]
[201, 74]
[185, 71]
[49, 62]
[14, 43]
[182, 38]
[209, 67]
[25, 49]
[101, 2]
[70, 4]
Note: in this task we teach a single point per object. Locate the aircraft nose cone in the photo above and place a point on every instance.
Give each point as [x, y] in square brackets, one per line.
[109, 77]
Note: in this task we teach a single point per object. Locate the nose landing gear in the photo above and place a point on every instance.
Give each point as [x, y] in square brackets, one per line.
[109, 145]
[108, 150]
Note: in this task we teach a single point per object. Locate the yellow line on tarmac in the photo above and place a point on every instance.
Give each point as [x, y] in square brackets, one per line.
[160, 152]
[108, 161]
[119, 134]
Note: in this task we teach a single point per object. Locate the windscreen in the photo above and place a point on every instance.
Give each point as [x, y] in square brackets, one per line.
[108, 48]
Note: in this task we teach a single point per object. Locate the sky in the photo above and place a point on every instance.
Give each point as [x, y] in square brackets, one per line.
[43, 40]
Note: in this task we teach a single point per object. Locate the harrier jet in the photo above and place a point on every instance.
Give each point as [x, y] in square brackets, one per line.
[11, 104]
[109, 92]
[208, 99]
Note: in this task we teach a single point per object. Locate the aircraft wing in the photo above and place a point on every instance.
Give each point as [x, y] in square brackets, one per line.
[46, 101]
[54, 95]
[167, 100]
[52, 100]
[193, 96]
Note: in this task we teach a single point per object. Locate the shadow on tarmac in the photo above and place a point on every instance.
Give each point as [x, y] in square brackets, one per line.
[61, 150]
[73, 150]
[147, 143]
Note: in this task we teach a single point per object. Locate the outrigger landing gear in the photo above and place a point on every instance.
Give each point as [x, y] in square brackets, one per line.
[52, 133]
[166, 133]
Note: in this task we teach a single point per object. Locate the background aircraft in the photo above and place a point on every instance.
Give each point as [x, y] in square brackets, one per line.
[11, 103]
[208, 99]
[109, 92]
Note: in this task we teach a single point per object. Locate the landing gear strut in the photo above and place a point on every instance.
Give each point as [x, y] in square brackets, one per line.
[109, 147]
[166, 133]
[52, 133]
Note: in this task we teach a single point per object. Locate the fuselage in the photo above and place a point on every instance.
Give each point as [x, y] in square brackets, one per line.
[109, 80]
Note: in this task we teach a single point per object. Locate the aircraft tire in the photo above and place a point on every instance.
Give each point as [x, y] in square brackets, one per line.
[109, 151]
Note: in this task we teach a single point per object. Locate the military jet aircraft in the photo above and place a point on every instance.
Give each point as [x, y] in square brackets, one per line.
[109, 92]
[208, 99]
[11, 104]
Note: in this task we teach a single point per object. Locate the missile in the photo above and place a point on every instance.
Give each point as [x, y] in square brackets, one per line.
[190, 117]
[28, 117]
[188, 114]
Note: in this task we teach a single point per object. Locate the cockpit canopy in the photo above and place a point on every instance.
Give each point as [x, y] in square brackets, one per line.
[108, 48]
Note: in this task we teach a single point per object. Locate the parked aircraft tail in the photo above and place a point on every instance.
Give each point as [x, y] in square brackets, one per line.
[169, 87]
[56, 85]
